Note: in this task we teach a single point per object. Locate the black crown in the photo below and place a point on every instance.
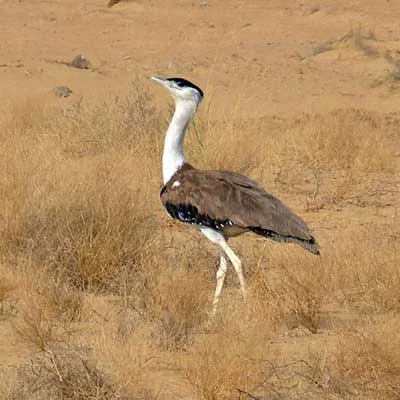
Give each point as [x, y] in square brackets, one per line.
[181, 82]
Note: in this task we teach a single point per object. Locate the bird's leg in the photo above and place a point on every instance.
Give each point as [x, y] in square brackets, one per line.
[221, 273]
[237, 265]
[219, 239]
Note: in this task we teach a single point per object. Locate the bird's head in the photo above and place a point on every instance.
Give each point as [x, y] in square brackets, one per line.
[181, 89]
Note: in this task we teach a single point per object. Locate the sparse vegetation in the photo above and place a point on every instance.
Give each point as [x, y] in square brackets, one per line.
[359, 38]
[8, 287]
[65, 374]
[104, 297]
[87, 253]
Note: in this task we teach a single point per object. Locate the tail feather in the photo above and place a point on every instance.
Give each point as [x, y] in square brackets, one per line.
[309, 244]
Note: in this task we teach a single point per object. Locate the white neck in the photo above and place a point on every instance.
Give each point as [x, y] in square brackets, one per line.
[173, 156]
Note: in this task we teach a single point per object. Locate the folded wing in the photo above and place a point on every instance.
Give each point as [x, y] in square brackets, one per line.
[227, 200]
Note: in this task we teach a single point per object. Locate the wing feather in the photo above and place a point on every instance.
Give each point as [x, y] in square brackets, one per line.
[228, 196]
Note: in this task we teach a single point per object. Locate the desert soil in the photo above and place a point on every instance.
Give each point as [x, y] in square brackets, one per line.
[263, 56]
[253, 59]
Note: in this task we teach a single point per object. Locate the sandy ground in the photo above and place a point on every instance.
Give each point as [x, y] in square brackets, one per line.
[267, 57]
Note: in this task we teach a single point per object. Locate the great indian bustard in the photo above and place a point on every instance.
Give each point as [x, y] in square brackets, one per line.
[221, 204]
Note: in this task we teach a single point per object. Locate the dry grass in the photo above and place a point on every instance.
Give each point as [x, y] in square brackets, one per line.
[371, 360]
[8, 288]
[89, 259]
[336, 160]
[232, 357]
[66, 374]
[182, 295]
[292, 291]
[46, 309]
[69, 217]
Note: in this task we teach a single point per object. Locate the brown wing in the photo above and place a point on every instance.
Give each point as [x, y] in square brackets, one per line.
[228, 197]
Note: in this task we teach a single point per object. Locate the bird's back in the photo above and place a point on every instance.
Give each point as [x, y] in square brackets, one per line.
[233, 204]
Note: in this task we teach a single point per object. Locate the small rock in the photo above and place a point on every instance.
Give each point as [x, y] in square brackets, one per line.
[62, 91]
[112, 2]
[312, 10]
[80, 62]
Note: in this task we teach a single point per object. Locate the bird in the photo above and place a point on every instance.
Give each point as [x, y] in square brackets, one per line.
[221, 204]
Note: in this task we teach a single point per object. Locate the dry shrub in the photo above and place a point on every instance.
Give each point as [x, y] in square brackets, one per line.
[65, 373]
[234, 357]
[331, 160]
[74, 212]
[366, 275]
[116, 366]
[130, 358]
[290, 291]
[90, 237]
[223, 145]
[357, 365]
[173, 291]
[8, 289]
[370, 360]
[37, 327]
[182, 298]
[45, 309]
[336, 159]
[128, 123]
[343, 140]
[74, 206]
[357, 275]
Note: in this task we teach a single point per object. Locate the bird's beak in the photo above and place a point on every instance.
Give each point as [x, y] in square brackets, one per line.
[165, 83]
[161, 81]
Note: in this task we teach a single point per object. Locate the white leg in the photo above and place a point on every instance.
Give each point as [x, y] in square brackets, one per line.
[221, 273]
[217, 238]
[237, 265]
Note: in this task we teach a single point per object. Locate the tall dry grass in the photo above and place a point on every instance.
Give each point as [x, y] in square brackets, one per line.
[66, 182]
[92, 269]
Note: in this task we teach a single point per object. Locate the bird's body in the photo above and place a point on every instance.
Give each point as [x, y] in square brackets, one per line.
[222, 204]
[232, 204]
